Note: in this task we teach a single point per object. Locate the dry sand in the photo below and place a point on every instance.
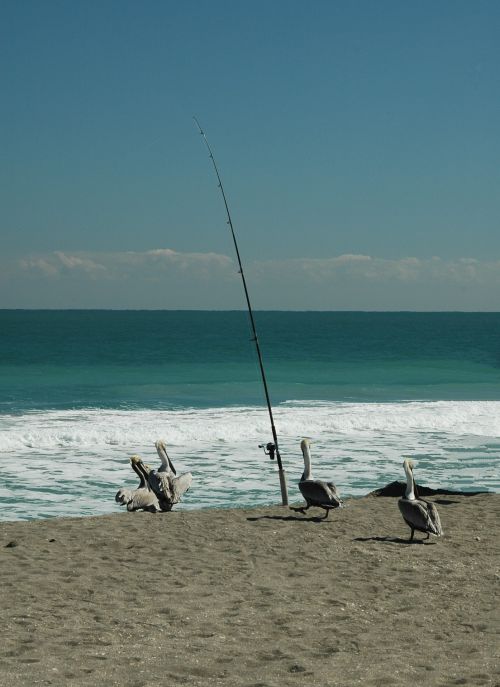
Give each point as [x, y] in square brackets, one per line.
[252, 597]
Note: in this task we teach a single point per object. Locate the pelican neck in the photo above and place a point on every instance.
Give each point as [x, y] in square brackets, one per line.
[410, 490]
[307, 463]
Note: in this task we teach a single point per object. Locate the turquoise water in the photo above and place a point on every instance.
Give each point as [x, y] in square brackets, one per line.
[80, 391]
[113, 359]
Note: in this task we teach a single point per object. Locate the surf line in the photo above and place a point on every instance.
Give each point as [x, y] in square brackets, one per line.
[271, 449]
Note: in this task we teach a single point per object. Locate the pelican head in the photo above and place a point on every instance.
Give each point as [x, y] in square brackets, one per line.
[136, 462]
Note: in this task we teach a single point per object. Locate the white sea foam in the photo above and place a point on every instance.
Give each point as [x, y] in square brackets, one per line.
[71, 462]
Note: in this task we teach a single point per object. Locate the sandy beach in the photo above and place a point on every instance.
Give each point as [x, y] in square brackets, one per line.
[260, 597]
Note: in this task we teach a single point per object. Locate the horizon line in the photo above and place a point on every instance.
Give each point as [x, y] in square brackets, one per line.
[231, 310]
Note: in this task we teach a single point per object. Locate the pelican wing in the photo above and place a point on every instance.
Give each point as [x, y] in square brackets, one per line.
[181, 484]
[421, 515]
[434, 518]
[161, 484]
[143, 499]
[334, 491]
[319, 493]
[172, 488]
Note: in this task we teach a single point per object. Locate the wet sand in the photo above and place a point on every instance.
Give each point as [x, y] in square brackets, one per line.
[260, 597]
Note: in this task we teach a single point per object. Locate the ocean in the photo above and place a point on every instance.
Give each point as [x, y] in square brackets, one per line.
[81, 391]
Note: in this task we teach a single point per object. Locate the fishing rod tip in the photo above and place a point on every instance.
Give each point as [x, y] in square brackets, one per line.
[198, 124]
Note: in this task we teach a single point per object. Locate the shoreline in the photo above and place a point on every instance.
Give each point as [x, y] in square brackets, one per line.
[390, 490]
[251, 597]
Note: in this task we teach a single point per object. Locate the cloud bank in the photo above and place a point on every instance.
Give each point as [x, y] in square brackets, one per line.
[165, 278]
[119, 266]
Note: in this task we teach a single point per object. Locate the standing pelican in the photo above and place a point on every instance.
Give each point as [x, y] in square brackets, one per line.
[141, 498]
[418, 514]
[316, 492]
[165, 484]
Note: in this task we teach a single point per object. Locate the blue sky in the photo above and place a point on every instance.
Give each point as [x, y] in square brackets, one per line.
[358, 143]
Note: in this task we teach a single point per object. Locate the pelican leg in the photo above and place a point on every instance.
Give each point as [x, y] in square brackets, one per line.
[327, 513]
[412, 533]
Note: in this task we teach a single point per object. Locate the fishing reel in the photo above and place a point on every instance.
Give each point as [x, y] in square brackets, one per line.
[269, 449]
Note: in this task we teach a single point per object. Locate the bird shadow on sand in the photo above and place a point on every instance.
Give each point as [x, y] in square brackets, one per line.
[290, 518]
[445, 502]
[396, 540]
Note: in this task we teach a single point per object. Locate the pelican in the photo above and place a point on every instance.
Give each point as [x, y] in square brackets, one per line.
[315, 491]
[124, 495]
[164, 482]
[166, 463]
[418, 514]
[141, 498]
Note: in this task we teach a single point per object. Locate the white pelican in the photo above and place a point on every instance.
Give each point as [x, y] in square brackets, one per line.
[141, 498]
[165, 484]
[316, 492]
[418, 514]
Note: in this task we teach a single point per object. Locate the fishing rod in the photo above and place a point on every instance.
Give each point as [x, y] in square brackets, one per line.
[271, 449]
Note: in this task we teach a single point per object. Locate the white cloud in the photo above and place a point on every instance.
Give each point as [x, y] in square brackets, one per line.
[41, 266]
[368, 268]
[58, 263]
[165, 278]
[124, 265]
[83, 264]
[186, 261]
